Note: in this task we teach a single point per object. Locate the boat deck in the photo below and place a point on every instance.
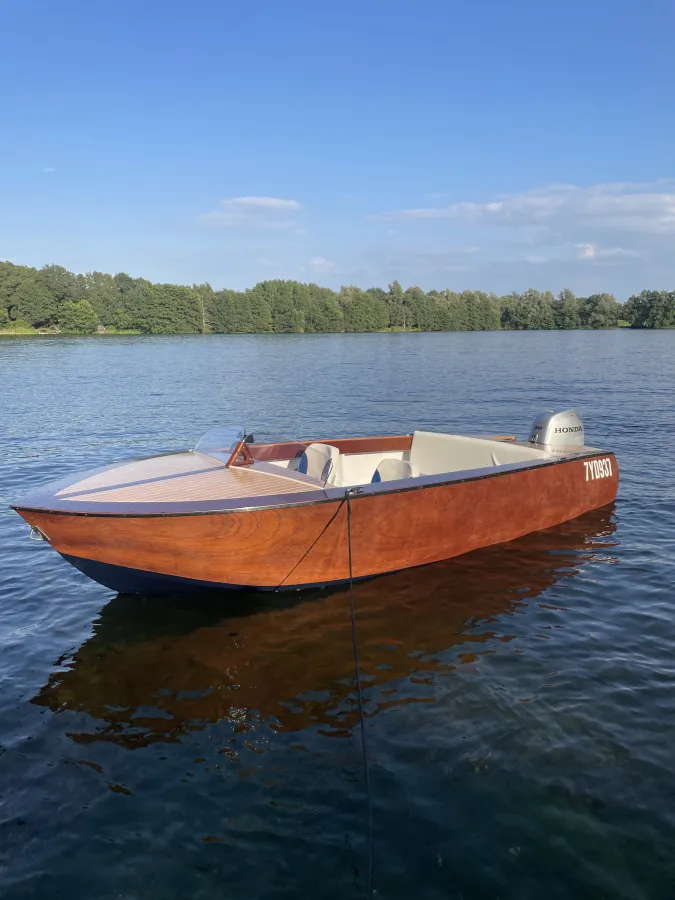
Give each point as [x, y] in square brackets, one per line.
[192, 482]
[184, 477]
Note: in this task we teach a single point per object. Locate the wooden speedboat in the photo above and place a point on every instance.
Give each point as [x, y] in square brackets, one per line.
[234, 514]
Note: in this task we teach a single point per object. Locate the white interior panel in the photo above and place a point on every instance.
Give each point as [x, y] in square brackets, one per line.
[434, 454]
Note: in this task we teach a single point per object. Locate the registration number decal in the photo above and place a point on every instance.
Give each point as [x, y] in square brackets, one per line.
[598, 468]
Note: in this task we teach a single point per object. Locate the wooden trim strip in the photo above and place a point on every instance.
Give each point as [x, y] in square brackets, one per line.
[291, 449]
[374, 444]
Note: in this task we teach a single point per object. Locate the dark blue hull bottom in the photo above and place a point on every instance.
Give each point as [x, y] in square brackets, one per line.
[138, 581]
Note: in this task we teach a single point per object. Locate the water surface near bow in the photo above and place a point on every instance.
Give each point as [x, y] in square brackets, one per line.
[520, 700]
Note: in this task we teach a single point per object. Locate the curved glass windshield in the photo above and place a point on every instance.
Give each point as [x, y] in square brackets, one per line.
[221, 442]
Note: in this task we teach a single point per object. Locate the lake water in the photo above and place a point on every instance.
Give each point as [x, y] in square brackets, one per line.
[520, 700]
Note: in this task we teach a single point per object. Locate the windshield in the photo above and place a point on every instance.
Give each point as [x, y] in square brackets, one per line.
[221, 443]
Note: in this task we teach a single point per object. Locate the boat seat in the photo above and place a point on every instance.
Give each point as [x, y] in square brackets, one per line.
[394, 470]
[436, 454]
[321, 461]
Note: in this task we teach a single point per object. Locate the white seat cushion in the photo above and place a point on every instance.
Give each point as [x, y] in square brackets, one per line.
[394, 470]
[321, 461]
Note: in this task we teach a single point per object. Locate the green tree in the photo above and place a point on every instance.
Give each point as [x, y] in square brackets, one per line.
[242, 313]
[529, 310]
[421, 312]
[567, 310]
[397, 307]
[482, 311]
[326, 313]
[600, 311]
[129, 315]
[636, 309]
[104, 295]
[139, 305]
[282, 298]
[77, 317]
[24, 295]
[58, 287]
[456, 313]
[490, 312]
[122, 320]
[241, 321]
[651, 309]
[125, 283]
[220, 312]
[363, 311]
[168, 309]
[11, 280]
[205, 298]
[259, 313]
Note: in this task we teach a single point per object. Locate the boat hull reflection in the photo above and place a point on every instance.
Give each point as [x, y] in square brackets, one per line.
[158, 669]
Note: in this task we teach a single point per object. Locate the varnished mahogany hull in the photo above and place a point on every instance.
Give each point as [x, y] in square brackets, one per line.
[305, 544]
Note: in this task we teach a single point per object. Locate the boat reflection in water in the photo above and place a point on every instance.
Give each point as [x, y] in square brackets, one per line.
[157, 669]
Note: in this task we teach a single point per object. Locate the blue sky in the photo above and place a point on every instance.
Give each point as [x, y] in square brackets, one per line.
[491, 144]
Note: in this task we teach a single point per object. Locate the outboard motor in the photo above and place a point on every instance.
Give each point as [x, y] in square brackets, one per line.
[558, 429]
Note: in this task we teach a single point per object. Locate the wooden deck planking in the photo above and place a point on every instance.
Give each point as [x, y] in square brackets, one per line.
[218, 483]
[142, 470]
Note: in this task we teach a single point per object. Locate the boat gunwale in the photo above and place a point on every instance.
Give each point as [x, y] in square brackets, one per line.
[305, 498]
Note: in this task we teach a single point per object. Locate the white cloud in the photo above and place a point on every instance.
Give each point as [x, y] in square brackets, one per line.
[592, 251]
[642, 207]
[49, 169]
[256, 212]
[274, 203]
[587, 251]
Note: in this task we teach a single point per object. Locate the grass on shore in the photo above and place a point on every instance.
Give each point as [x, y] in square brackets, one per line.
[24, 330]
[110, 329]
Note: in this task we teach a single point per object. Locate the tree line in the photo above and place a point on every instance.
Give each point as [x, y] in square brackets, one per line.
[54, 299]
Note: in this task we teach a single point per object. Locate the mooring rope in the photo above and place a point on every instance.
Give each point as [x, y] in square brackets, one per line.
[311, 546]
[359, 691]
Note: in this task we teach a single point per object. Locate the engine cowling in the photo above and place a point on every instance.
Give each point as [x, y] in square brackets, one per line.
[558, 429]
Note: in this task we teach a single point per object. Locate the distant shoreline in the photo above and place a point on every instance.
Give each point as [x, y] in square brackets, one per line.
[52, 299]
[122, 334]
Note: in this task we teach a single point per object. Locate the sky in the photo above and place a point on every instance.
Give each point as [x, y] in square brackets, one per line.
[487, 144]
